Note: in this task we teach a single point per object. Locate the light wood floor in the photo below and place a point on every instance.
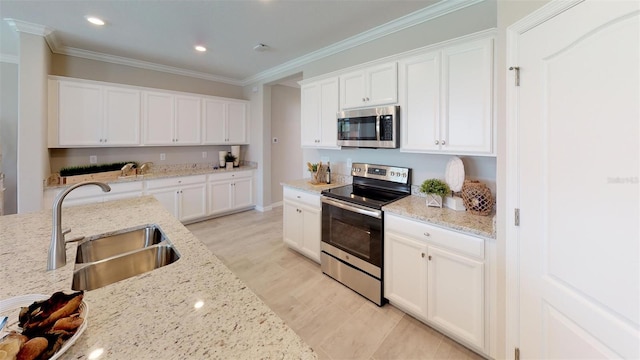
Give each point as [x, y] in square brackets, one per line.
[335, 321]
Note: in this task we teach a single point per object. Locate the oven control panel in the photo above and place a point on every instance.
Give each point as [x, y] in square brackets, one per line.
[382, 172]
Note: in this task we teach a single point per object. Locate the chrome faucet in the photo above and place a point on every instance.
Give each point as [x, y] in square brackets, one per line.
[57, 256]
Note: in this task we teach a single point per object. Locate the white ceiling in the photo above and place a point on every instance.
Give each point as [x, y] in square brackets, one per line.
[163, 33]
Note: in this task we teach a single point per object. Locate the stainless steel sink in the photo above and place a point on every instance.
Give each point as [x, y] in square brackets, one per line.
[105, 259]
[106, 246]
[90, 276]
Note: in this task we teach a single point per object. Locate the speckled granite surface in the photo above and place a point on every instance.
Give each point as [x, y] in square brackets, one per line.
[415, 207]
[150, 316]
[305, 185]
[173, 171]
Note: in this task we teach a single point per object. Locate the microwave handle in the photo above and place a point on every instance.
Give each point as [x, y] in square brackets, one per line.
[378, 120]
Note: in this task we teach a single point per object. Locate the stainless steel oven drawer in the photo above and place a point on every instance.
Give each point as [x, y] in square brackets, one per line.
[356, 280]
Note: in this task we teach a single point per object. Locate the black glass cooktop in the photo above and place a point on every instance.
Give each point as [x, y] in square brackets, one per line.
[370, 197]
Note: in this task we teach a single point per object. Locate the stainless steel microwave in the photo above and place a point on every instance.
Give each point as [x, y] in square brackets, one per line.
[370, 128]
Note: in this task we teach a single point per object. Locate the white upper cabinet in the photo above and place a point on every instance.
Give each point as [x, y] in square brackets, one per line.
[420, 102]
[87, 114]
[467, 108]
[224, 122]
[446, 100]
[170, 119]
[319, 108]
[121, 116]
[373, 86]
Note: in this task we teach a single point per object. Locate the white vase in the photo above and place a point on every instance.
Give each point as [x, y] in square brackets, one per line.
[434, 200]
[221, 155]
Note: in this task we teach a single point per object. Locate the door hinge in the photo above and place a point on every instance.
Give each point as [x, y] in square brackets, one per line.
[516, 354]
[516, 217]
[517, 69]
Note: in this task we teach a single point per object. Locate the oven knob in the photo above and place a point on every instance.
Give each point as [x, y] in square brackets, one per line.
[404, 175]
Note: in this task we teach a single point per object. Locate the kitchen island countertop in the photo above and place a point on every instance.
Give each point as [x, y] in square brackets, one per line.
[305, 185]
[152, 315]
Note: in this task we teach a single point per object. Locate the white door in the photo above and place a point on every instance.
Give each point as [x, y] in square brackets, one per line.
[158, 115]
[121, 116]
[456, 294]
[467, 110]
[328, 103]
[193, 202]
[420, 102]
[576, 180]
[168, 198]
[292, 225]
[79, 114]
[311, 232]
[310, 115]
[214, 121]
[405, 273]
[187, 128]
[242, 192]
[237, 122]
[219, 197]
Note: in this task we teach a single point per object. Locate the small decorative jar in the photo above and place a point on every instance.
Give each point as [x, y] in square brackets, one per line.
[477, 197]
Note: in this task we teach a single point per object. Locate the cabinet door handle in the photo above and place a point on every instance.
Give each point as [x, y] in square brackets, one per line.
[363, 100]
[437, 142]
[423, 255]
[367, 99]
[443, 142]
[427, 234]
[429, 257]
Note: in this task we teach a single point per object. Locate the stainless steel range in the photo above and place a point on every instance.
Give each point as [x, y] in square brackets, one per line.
[353, 227]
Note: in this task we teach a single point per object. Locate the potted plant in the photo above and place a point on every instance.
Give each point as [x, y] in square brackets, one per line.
[435, 189]
[229, 159]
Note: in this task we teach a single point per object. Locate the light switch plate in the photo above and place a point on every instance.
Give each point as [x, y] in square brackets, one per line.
[163, 156]
[93, 159]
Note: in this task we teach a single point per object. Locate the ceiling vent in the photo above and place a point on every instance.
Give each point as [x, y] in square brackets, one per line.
[260, 47]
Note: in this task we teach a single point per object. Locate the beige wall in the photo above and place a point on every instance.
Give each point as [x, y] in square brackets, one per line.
[32, 158]
[71, 66]
[9, 133]
[285, 126]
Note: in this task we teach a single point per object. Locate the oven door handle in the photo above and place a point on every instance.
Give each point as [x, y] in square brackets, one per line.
[353, 208]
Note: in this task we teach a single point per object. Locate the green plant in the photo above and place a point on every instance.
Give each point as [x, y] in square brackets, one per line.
[229, 157]
[435, 186]
[92, 169]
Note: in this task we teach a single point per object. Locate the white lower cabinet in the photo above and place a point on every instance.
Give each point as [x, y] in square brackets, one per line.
[93, 194]
[437, 275]
[230, 191]
[184, 197]
[302, 222]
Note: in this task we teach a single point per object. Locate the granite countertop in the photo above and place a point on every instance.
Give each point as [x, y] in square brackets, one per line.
[415, 207]
[305, 185]
[168, 172]
[149, 316]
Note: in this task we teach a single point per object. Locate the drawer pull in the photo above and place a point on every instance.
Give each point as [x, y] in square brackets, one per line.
[427, 234]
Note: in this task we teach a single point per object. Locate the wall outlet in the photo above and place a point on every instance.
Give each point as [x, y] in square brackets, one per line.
[93, 159]
[204, 154]
[163, 156]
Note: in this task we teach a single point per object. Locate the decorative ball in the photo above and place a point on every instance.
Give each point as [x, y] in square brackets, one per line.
[477, 197]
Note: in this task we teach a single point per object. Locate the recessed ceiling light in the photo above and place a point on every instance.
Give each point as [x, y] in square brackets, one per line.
[260, 47]
[200, 48]
[95, 21]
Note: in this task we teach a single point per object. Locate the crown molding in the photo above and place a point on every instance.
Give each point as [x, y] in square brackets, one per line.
[120, 60]
[29, 28]
[415, 18]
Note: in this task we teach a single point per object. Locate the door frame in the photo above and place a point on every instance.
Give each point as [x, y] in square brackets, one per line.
[512, 201]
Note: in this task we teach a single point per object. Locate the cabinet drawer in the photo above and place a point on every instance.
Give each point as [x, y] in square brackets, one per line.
[126, 187]
[302, 196]
[463, 243]
[230, 175]
[176, 181]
